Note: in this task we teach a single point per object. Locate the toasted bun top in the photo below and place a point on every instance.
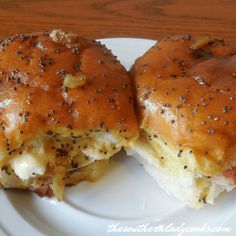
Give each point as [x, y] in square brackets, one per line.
[186, 94]
[33, 95]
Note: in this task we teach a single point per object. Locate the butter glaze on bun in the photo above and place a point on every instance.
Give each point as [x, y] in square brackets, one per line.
[66, 106]
[186, 101]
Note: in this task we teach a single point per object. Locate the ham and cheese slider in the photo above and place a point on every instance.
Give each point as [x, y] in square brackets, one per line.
[186, 103]
[66, 106]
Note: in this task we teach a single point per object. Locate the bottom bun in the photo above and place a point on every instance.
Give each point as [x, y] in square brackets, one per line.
[179, 181]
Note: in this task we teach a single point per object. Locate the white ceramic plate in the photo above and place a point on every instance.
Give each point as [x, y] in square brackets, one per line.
[124, 197]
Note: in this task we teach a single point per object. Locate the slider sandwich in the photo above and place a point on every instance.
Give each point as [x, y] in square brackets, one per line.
[66, 106]
[185, 92]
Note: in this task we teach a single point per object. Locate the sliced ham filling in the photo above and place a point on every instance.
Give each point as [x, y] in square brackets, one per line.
[230, 174]
[226, 179]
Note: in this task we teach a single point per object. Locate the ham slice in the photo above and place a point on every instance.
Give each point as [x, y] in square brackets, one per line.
[231, 174]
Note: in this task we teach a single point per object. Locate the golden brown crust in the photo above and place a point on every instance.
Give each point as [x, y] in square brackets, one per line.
[187, 97]
[32, 97]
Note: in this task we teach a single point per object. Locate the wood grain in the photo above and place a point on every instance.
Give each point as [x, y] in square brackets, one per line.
[119, 18]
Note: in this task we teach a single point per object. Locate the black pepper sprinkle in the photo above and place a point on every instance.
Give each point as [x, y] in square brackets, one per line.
[211, 131]
[187, 37]
[69, 126]
[2, 126]
[98, 90]
[49, 133]
[178, 105]
[61, 73]
[57, 50]
[226, 109]
[210, 117]
[195, 111]
[77, 67]
[173, 75]
[61, 152]
[181, 63]
[76, 50]
[100, 62]
[179, 153]
[182, 99]
[226, 122]
[201, 81]
[204, 199]
[166, 105]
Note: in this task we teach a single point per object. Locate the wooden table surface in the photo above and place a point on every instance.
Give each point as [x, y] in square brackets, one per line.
[121, 18]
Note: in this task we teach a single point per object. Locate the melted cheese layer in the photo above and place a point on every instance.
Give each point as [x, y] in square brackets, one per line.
[27, 165]
[34, 160]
